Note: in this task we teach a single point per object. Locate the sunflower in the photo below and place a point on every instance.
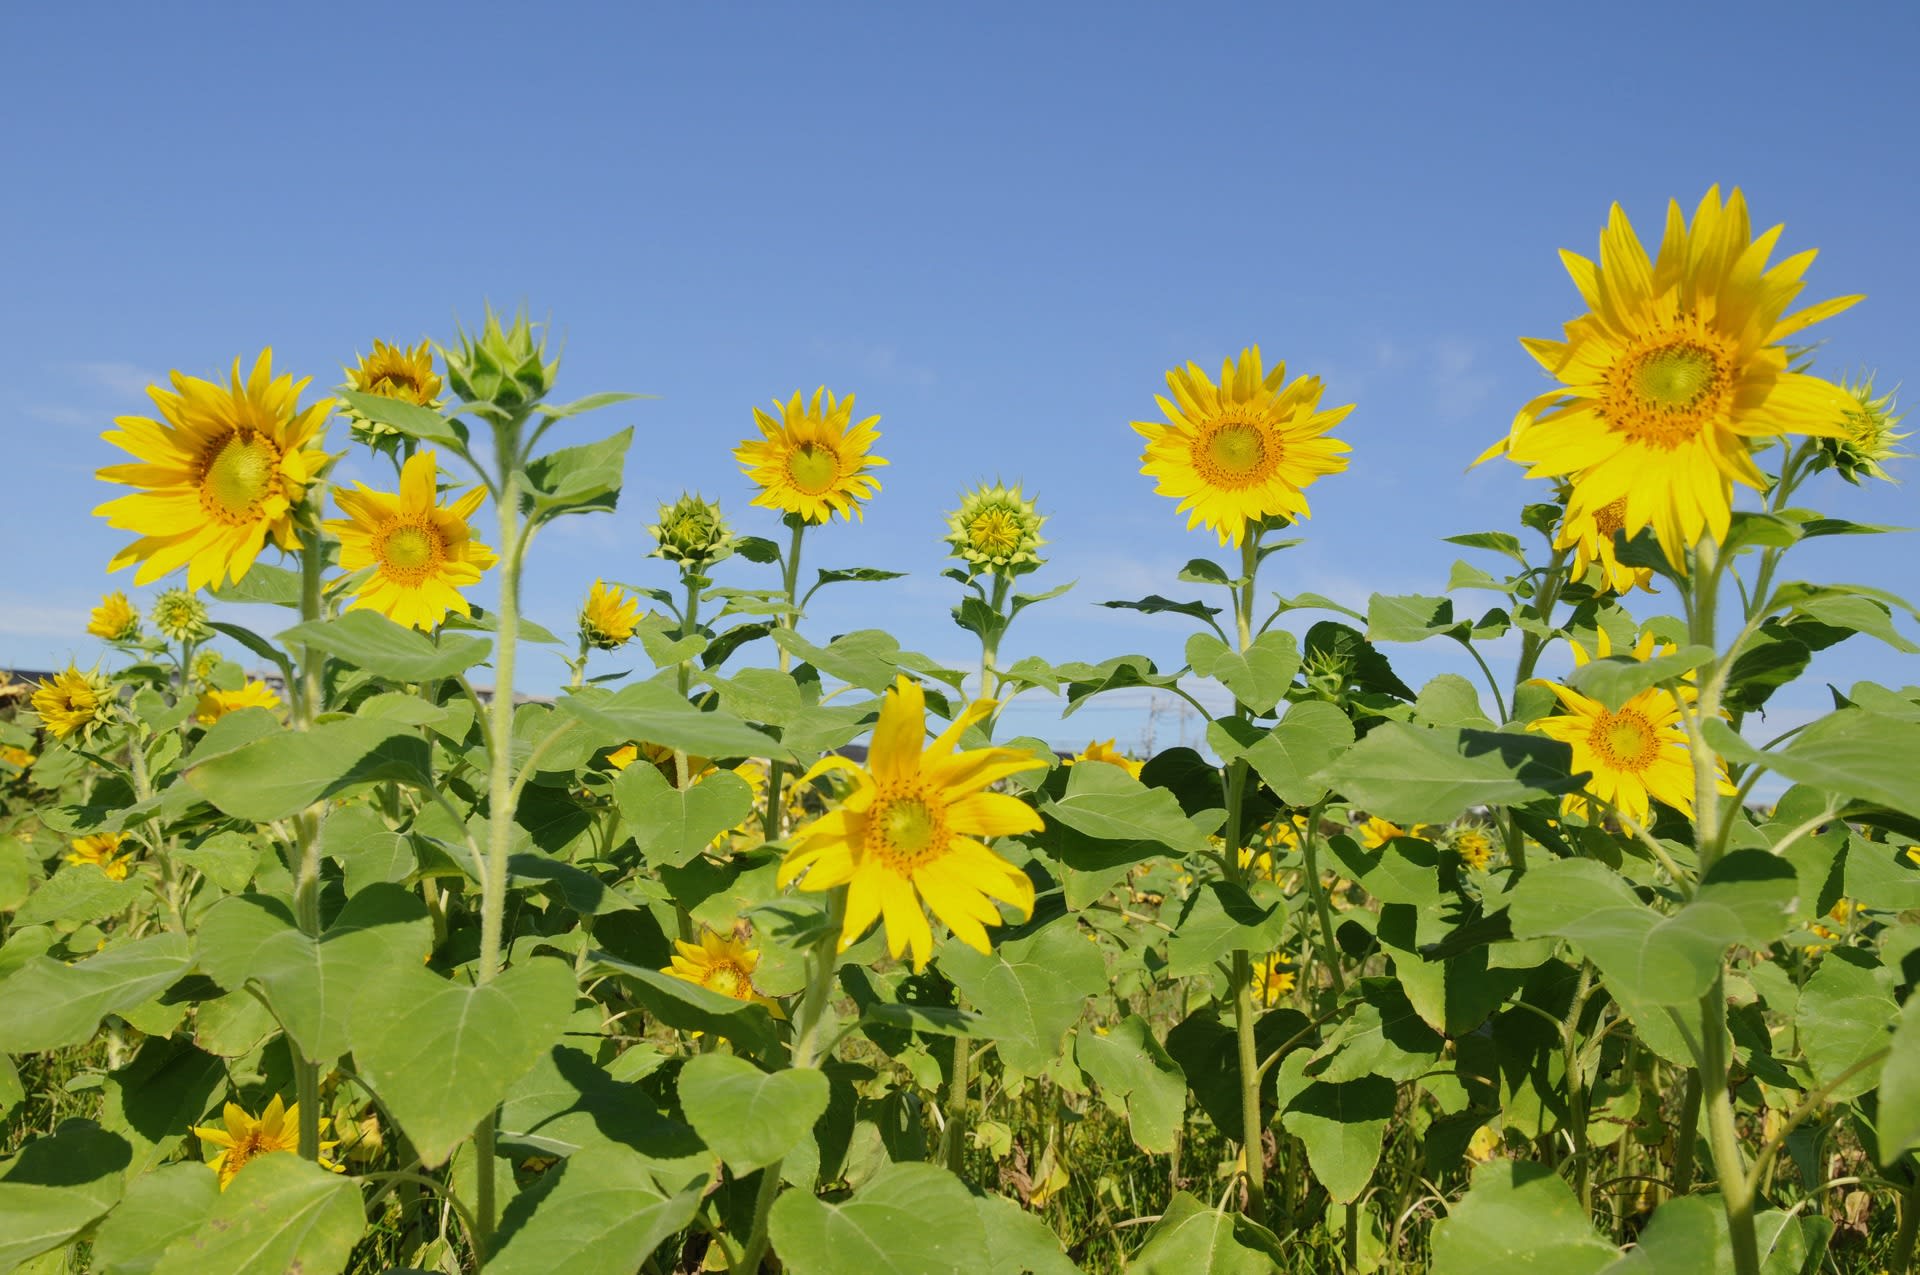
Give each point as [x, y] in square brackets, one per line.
[907, 832]
[14, 755]
[996, 529]
[1678, 365]
[1286, 834]
[1097, 751]
[1871, 440]
[422, 552]
[102, 849]
[1474, 846]
[244, 1138]
[812, 462]
[608, 618]
[1590, 536]
[72, 701]
[224, 472]
[662, 759]
[723, 964]
[1634, 752]
[1274, 980]
[215, 704]
[396, 372]
[1241, 451]
[692, 532]
[1375, 832]
[181, 615]
[114, 619]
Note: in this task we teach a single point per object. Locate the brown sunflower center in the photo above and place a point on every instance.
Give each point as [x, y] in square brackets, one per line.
[1611, 518]
[1624, 740]
[1235, 453]
[409, 552]
[1669, 389]
[398, 383]
[813, 468]
[906, 831]
[240, 472]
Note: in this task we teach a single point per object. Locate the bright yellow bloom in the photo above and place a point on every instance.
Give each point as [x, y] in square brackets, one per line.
[608, 618]
[812, 462]
[215, 704]
[720, 963]
[1590, 536]
[1677, 367]
[223, 473]
[1474, 846]
[16, 756]
[1241, 451]
[243, 1138]
[1275, 979]
[360, 1141]
[102, 849]
[906, 834]
[1287, 834]
[1097, 751]
[662, 759]
[996, 529]
[114, 619]
[422, 552]
[72, 701]
[1375, 832]
[396, 372]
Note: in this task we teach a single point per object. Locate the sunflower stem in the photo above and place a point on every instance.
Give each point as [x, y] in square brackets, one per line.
[789, 582]
[306, 824]
[1252, 1127]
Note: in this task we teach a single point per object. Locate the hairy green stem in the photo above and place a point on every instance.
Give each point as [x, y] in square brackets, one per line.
[306, 826]
[1252, 1127]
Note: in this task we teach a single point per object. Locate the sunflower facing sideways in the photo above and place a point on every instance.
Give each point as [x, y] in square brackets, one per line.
[1677, 369]
[909, 832]
[1242, 450]
[220, 473]
[813, 460]
[422, 552]
[720, 963]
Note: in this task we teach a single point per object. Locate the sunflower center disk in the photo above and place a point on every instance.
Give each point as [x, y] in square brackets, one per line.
[1624, 740]
[239, 477]
[727, 979]
[906, 832]
[409, 552]
[812, 468]
[1667, 393]
[1235, 454]
[995, 531]
[1611, 518]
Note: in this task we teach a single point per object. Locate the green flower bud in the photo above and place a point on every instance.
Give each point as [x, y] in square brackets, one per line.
[996, 529]
[692, 532]
[1870, 438]
[505, 367]
[181, 615]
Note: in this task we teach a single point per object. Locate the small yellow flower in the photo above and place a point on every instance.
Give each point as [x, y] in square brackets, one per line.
[72, 701]
[181, 615]
[244, 1138]
[359, 1140]
[720, 963]
[1474, 846]
[213, 704]
[812, 461]
[16, 756]
[1590, 536]
[1375, 832]
[1097, 751]
[1276, 978]
[114, 619]
[1260, 862]
[102, 849]
[608, 619]
[422, 552]
[205, 665]
[396, 372]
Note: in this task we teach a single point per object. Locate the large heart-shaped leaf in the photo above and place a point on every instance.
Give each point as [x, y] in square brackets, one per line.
[47, 1004]
[672, 825]
[371, 641]
[1415, 774]
[160, 1208]
[1518, 1217]
[1030, 990]
[285, 772]
[57, 1186]
[1134, 1070]
[908, 1219]
[750, 1118]
[1192, 1238]
[599, 1212]
[280, 1213]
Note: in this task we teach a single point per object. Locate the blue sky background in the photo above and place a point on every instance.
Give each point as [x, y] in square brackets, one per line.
[998, 224]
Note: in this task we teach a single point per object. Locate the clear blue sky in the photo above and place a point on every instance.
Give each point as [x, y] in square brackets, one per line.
[999, 225]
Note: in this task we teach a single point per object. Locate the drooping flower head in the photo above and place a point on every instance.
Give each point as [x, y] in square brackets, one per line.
[608, 617]
[1241, 451]
[102, 850]
[1870, 441]
[396, 372]
[720, 963]
[907, 836]
[243, 1138]
[222, 471]
[996, 529]
[215, 704]
[422, 552]
[73, 702]
[1111, 755]
[1634, 752]
[692, 532]
[1676, 370]
[1590, 536]
[181, 615]
[114, 619]
[812, 461]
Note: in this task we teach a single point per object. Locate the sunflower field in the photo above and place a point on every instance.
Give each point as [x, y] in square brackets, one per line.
[322, 949]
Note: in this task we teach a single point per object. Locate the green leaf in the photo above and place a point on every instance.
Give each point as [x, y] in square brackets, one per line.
[411, 419]
[358, 839]
[673, 825]
[284, 773]
[577, 480]
[1618, 678]
[599, 1212]
[253, 642]
[155, 1099]
[591, 403]
[690, 1007]
[1686, 1236]
[1192, 1238]
[280, 1213]
[314, 985]
[1518, 1216]
[1222, 918]
[57, 1187]
[1900, 1088]
[1030, 990]
[1845, 1013]
[441, 1054]
[1851, 752]
[1018, 1242]
[369, 640]
[46, 1004]
[1306, 741]
[77, 893]
[1120, 673]
[273, 586]
[656, 713]
[1154, 604]
[169, 1204]
[1108, 804]
[1497, 541]
[1136, 1072]
[751, 1118]
[228, 859]
[1407, 618]
[1258, 677]
[1382, 1035]
[1342, 1127]
[1412, 774]
[868, 658]
[907, 1219]
[568, 1102]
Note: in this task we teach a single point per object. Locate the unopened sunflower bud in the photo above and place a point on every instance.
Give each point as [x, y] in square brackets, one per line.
[692, 532]
[502, 366]
[608, 618]
[996, 529]
[181, 615]
[1870, 439]
[114, 619]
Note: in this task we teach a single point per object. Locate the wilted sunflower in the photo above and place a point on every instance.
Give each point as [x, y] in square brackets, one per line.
[1240, 451]
[1590, 536]
[1675, 370]
[906, 835]
[608, 618]
[114, 619]
[422, 552]
[181, 615]
[72, 701]
[996, 529]
[222, 473]
[723, 964]
[215, 704]
[396, 372]
[102, 850]
[812, 461]
[1108, 753]
[244, 1138]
